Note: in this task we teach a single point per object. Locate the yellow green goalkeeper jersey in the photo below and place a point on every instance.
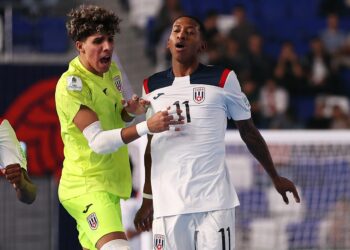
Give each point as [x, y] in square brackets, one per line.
[85, 171]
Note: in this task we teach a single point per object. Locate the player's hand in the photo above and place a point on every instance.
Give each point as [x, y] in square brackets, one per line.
[136, 105]
[13, 173]
[144, 216]
[283, 185]
[162, 120]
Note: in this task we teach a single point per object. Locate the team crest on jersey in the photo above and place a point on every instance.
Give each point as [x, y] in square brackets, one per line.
[118, 83]
[93, 221]
[199, 94]
[159, 242]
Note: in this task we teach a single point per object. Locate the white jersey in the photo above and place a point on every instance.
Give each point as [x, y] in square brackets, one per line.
[10, 149]
[189, 174]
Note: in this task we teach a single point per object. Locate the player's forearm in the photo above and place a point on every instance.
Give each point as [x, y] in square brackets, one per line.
[126, 116]
[107, 141]
[27, 192]
[257, 146]
[147, 188]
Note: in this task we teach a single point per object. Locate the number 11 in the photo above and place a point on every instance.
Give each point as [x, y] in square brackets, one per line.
[187, 106]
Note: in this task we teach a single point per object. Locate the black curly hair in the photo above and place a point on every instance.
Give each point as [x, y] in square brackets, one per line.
[87, 20]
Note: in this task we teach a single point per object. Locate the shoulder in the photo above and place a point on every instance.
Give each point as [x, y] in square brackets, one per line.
[70, 81]
[210, 75]
[72, 87]
[158, 80]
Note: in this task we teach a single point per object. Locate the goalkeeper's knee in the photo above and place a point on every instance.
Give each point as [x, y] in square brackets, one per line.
[116, 245]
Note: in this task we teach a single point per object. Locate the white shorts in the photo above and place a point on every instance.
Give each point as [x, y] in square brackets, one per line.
[198, 231]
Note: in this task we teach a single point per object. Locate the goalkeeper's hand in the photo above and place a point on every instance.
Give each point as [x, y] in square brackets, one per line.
[136, 105]
[283, 185]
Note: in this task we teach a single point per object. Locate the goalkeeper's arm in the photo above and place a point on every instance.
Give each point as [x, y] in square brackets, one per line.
[107, 141]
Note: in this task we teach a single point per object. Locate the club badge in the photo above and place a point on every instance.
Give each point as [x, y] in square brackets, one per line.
[118, 83]
[199, 94]
[93, 221]
[158, 242]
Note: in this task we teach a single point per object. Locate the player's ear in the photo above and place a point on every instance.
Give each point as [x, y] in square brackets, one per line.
[168, 44]
[203, 46]
[79, 46]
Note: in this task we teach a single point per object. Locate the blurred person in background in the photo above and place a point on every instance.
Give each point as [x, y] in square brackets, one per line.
[233, 58]
[13, 164]
[318, 69]
[187, 181]
[318, 120]
[332, 36]
[92, 114]
[274, 102]
[170, 10]
[260, 64]
[242, 28]
[288, 70]
[212, 32]
[339, 119]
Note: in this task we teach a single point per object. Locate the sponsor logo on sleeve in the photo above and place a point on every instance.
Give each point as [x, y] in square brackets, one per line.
[246, 102]
[74, 83]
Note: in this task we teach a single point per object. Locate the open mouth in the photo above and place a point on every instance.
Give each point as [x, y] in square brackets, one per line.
[179, 45]
[105, 59]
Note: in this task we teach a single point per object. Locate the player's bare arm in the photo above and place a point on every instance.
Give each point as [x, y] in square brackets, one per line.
[144, 216]
[18, 177]
[257, 146]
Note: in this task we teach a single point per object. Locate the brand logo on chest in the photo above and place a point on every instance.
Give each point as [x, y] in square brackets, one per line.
[198, 94]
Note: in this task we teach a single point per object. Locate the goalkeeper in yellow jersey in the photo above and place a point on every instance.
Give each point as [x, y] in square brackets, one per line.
[96, 171]
[13, 164]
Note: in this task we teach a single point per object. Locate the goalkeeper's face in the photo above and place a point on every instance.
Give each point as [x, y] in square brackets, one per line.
[95, 52]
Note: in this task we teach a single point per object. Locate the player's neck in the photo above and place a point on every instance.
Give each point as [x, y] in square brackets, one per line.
[183, 69]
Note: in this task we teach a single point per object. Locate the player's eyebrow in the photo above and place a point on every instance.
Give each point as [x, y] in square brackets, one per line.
[190, 26]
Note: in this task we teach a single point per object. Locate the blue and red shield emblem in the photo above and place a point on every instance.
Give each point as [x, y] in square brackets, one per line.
[198, 94]
[158, 242]
[93, 221]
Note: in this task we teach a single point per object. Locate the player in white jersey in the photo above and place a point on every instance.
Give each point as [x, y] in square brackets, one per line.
[193, 197]
[13, 164]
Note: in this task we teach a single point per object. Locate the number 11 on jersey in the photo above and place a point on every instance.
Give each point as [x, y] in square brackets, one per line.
[187, 106]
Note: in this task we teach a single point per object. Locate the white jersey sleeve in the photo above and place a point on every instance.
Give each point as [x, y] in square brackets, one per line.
[10, 149]
[150, 110]
[237, 103]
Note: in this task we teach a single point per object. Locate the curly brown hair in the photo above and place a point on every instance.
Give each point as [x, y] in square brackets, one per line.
[87, 20]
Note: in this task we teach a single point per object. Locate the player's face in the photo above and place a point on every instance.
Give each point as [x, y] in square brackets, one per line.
[95, 52]
[185, 41]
